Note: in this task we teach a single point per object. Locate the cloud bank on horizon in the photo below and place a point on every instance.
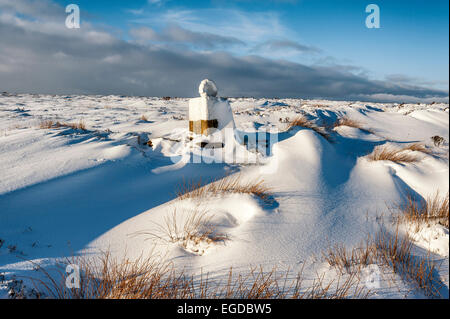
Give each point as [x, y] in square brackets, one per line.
[167, 53]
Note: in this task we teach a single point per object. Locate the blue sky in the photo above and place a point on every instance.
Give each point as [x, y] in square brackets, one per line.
[261, 48]
[412, 43]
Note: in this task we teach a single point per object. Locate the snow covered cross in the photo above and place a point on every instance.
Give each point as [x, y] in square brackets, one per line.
[209, 112]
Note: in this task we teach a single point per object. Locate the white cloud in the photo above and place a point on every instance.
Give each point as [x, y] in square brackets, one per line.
[156, 2]
[112, 59]
[251, 28]
[135, 11]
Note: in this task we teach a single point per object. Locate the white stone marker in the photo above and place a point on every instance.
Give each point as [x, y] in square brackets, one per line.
[209, 112]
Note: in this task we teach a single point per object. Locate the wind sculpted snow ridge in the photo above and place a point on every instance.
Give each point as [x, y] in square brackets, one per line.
[65, 190]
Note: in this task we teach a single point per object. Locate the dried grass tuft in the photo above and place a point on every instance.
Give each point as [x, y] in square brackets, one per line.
[150, 278]
[396, 155]
[346, 121]
[396, 251]
[229, 184]
[304, 122]
[47, 124]
[434, 210]
[417, 147]
[191, 229]
[389, 250]
[350, 261]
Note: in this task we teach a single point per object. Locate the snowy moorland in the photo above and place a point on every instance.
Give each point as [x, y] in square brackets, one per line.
[85, 175]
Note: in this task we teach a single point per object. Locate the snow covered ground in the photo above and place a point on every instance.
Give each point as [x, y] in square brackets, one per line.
[66, 190]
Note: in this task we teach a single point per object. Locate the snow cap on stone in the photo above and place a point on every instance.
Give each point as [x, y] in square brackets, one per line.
[207, 88]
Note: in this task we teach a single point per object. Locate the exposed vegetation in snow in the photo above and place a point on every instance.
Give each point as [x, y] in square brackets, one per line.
[354, 213]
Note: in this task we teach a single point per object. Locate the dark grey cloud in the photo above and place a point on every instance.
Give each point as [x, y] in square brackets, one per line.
[175, 34]
[48, 58]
